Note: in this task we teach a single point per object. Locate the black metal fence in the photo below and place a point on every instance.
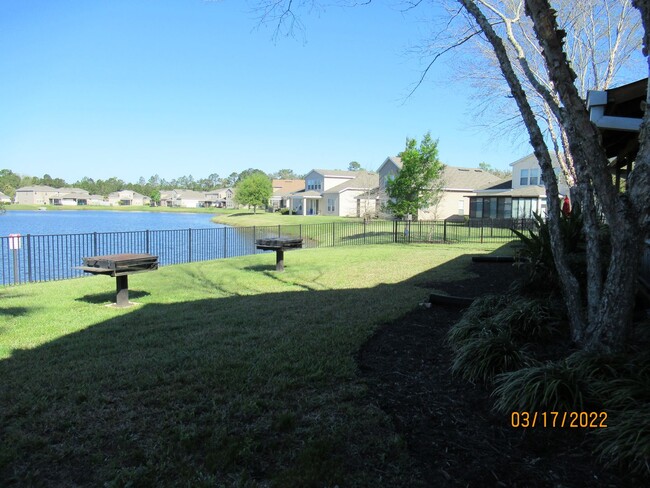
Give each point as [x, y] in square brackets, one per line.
[32, 258]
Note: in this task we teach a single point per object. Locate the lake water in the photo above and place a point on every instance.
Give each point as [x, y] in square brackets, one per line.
[84, 221]
[52, 243]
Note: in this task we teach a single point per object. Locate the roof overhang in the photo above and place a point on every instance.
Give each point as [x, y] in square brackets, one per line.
[618, 113]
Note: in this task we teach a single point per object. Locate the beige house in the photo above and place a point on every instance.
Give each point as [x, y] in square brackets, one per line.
[128, 197]
[282, 190]
[35, 195]
[185, 199]
[332, 192]
[458, 185]
[352, 198]
[70, 197]
[222, 197]
[519, 198]
[4, 198]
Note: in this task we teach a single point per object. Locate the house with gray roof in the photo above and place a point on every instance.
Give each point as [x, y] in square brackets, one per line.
[4, 198]
[128, 197]
[518, 198]
[35, 195]
[332, 192]
[457, 185]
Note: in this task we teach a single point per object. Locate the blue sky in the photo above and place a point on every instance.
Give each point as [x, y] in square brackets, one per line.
[132, 88]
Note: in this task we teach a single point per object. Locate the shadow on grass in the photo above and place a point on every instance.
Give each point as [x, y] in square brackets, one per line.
[13, 311]
[109, 297]
[202, 393]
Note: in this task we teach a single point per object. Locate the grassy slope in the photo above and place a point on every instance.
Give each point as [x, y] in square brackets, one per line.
[225, 373]
[246, 218]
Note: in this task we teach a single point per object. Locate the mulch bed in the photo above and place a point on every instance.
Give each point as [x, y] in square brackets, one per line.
[448, 423]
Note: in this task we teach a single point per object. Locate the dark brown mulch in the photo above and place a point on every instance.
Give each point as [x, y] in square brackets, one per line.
[447, 422]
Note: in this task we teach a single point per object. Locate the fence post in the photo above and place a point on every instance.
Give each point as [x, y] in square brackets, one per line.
[279, 231]
[146, 240]
[254, 234]
[16, 256]
[364, 230]
[333, 226]
[95, 253]
[481, 232]
[29, 258]
[189, 245]
[300, 229]
[225, 247]
[444, 230]
[394, 230]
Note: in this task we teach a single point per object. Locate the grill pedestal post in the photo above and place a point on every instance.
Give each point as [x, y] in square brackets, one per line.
[122, 297]
[279, 260]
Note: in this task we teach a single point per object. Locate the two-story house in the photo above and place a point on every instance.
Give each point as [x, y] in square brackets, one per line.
[333, 192]
[128, 197]
[524, 195]
[457, 184]
[222, 197]
[35, 195]
[282, 190]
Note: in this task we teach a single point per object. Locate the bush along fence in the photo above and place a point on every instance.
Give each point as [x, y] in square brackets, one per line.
[33, 258]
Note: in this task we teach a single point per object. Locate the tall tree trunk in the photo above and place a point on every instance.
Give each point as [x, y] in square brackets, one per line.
[568, 282]
[607, 328]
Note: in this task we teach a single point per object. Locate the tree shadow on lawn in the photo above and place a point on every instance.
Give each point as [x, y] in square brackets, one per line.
[243, 389]
[14, 311]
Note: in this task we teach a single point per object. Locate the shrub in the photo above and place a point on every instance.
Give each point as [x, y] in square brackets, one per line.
[553, 386]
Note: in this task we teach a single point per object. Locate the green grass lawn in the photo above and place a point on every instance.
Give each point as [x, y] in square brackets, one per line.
[246, 218]
[226, 373]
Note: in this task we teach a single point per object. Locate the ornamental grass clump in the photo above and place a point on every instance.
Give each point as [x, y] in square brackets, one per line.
[477, 318]
[488, 353]
[626, 440]
[527, 319]
[620, 386]
[552, 386]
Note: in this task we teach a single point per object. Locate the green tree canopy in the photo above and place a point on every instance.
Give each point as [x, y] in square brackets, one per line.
[501, 173]
[254, 190]
[287, 174]
[415, 187]
[354, 166]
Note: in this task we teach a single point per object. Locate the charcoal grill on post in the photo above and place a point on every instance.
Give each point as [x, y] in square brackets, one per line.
[279, 245]
[120, 266]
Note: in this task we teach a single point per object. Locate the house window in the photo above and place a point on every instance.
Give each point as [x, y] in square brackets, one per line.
[534, 177]
[523, 208]
[523, 178]
[506, 212]
[313, 185]
[330, 205]
[479, 208]
[461, 207]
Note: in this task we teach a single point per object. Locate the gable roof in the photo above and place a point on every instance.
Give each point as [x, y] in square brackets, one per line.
[365, 180]
[396, 160]
[457, 178]
[335, 172]
[287, 186]
[37, 188]
[190, 195]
